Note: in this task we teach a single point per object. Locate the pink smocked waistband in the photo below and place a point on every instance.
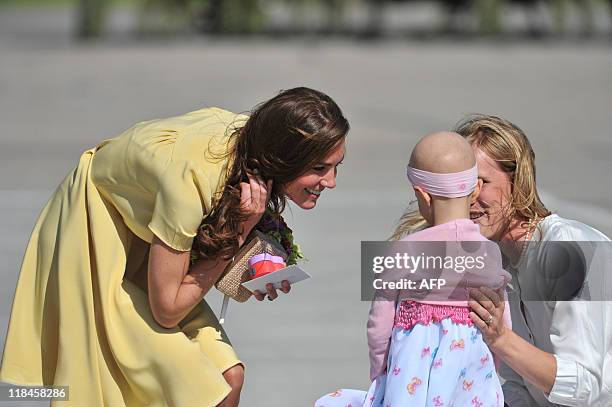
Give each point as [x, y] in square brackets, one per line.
[411, 313]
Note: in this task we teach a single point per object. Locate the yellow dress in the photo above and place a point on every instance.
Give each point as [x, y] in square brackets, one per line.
[79, 318]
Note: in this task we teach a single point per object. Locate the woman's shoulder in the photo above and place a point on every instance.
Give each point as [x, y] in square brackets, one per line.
[214, 111]
[206, 128]
[195, 119]
[556, 228]
[185, 136]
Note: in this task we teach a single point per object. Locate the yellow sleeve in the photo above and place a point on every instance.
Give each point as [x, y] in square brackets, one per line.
[183, 198]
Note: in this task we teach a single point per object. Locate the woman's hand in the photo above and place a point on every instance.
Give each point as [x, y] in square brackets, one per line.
[532, 364]
[487, 314]
[272, 294]
[254, 197]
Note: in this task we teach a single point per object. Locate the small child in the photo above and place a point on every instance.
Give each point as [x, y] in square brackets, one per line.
[425, 352]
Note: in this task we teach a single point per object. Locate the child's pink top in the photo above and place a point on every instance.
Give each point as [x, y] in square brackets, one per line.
[382, 313]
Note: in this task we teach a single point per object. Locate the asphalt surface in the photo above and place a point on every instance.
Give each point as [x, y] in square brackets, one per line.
[58, 98]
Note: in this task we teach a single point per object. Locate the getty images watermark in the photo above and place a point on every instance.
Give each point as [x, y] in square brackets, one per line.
[445, 271]
[433, 271]
[413, 263]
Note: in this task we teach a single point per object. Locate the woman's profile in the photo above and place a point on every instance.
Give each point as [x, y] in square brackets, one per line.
[110, 299]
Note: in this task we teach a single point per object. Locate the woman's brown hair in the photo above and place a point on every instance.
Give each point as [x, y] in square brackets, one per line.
[282, 139]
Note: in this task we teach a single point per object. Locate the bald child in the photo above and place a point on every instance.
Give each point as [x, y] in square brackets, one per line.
[426, 351]
[443, 153]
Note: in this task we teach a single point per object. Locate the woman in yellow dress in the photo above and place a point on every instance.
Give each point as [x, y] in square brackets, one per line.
[108, 301]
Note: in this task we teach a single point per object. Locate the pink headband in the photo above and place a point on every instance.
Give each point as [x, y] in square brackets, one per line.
[450, 185]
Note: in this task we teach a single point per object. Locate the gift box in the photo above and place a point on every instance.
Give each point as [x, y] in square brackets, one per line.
[237, 272]
[264, 263]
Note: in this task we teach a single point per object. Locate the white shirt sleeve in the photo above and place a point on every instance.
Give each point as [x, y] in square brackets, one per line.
[581, 338]
[578, 332]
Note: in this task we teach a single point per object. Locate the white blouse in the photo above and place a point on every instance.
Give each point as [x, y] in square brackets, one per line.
[577, 332]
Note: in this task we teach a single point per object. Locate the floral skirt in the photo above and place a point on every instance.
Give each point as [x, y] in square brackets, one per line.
[439, 364]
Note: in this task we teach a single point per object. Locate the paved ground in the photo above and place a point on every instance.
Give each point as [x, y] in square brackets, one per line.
[58, 98]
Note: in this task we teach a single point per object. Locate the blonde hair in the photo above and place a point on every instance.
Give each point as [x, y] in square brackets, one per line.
[507, 145]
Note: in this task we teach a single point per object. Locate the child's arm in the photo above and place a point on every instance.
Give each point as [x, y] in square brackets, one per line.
[506, 317]
[380, 326]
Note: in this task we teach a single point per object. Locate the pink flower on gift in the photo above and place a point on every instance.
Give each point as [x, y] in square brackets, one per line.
[273, 225]
[425, 352]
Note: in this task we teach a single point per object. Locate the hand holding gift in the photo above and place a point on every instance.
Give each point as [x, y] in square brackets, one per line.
[263, 264]
[269, 240]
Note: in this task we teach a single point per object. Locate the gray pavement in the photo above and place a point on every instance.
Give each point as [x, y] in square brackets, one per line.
[58, 99]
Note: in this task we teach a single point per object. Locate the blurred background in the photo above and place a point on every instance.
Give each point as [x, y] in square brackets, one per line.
[361, 18]
[75, 73]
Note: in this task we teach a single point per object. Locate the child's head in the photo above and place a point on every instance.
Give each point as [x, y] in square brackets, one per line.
[443, 171]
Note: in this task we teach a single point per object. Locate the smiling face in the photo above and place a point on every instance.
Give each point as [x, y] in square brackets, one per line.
[490, 209]
[306, 189]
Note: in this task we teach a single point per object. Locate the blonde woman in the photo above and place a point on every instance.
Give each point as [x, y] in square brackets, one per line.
[559, 352]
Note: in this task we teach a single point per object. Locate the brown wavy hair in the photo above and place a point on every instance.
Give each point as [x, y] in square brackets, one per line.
[282, 139]
[509, 147]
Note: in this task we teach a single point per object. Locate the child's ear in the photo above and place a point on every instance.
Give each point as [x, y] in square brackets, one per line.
[422, 196]
[476, 192]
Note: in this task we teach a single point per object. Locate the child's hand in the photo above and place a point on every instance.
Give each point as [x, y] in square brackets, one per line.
[272, 294]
